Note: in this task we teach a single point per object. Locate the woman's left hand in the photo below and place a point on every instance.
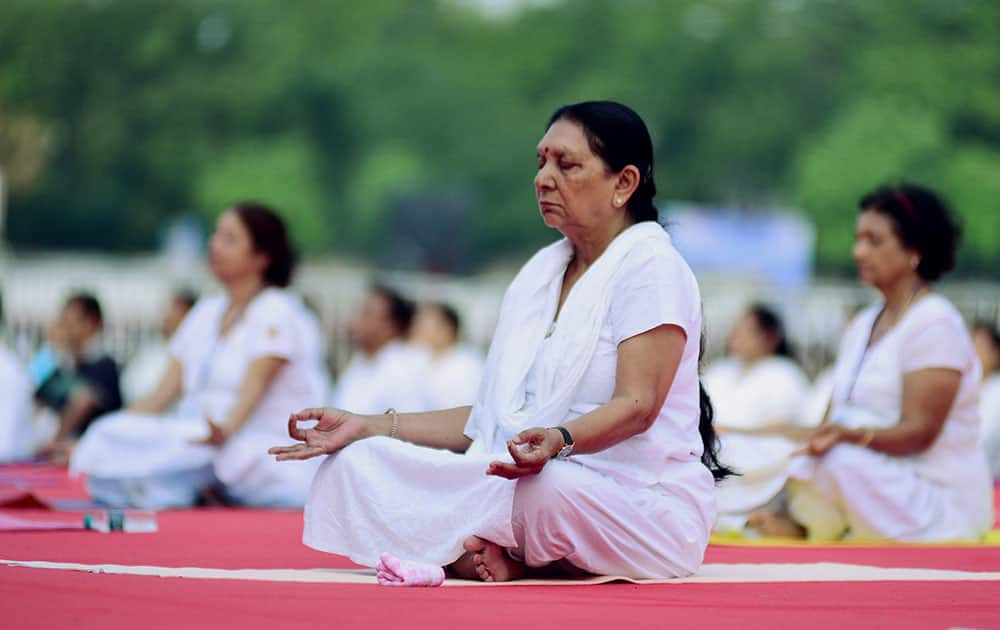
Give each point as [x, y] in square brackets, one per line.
[531, 450]
[822, 440]
[216, 435]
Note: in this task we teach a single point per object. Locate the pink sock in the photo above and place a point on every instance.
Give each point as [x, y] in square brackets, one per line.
[391, 571]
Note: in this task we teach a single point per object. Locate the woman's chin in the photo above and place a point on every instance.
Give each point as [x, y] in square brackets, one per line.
[551, 220]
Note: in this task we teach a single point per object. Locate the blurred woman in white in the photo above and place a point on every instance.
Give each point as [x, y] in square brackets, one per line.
[238, 363]
[17, 430]
[897, 457]
[986, 339]
[454, 370]
[758, 391]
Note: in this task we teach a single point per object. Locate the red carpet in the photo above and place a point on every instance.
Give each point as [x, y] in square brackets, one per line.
[41, 598]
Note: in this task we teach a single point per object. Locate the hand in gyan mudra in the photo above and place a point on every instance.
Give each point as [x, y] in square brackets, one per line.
[531, 450]
[334, 430]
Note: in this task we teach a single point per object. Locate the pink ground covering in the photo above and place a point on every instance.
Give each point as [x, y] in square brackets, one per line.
[225, 538]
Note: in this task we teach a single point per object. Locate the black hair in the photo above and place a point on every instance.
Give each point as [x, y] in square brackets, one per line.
[401, 310]
[706, 428]
[88, 305]
[769, 323]
[922, 221]
[617, 135]
[185, 296]
[450, 315]
[269, 236]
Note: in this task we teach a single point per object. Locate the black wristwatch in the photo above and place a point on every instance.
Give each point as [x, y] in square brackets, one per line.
[565, 451]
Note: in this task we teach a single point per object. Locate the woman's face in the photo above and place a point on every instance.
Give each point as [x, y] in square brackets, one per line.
[574, 188]
[431, 329]
[882, 259]
[747, 342]
[231, 254]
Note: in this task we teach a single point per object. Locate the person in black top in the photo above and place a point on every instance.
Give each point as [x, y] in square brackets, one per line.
[83, 384]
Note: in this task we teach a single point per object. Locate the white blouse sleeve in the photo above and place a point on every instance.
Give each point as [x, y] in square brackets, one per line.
[936, 343]
[272, 327]
[657, 291]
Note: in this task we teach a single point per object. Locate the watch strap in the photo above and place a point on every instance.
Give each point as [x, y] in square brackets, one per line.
[567, 441]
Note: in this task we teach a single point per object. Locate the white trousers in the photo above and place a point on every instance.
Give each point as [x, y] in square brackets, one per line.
[380, 495]
[870, 495]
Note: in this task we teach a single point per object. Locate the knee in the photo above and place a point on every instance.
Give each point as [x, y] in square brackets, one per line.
[845, 463]
[552, 491]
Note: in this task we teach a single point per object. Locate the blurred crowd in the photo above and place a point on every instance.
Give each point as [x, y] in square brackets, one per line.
[189, 417]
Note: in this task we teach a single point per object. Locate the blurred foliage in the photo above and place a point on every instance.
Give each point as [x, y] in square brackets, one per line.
[342, 114]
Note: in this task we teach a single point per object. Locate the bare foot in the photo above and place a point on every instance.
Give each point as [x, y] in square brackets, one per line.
[464, 568]
[769, 524]
[490, 562]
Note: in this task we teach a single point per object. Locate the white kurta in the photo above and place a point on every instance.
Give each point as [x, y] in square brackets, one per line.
[943, 493]
[452, 378]
[154, 454]
[392, 377]
[989, 412]
[642, 508]
[768, 392]
[17, 434]
[143, 372]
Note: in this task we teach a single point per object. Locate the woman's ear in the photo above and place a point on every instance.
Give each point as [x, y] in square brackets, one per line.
[628, 181]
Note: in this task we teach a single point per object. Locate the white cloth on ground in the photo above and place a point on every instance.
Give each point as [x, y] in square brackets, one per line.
[144, 447]
[17, 432]
[768, 392]
[392, 377]
[419, 504]
[868, 393]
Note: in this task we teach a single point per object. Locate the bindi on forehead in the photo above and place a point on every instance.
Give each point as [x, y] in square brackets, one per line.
[556, 151]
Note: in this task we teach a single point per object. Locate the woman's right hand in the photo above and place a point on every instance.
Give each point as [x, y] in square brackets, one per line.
[335, 430]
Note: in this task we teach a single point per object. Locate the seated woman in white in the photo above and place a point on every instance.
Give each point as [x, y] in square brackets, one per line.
[758, 392]
[986, 339]
[897, 458]
[574, 457]
[238, 362]
[384, 370]
[17, 429]
[454, 372]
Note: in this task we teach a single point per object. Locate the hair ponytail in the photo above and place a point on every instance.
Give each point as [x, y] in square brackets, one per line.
[710, 441]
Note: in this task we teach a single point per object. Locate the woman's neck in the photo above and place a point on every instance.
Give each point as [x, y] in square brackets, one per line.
[900, 295]
[242, 291]
[588, 247]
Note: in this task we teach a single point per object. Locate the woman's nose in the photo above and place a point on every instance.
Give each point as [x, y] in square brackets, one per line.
[543, 178]
[859, 251]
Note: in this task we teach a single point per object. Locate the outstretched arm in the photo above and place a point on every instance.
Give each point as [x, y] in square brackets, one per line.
[166, 393]
[645, 371]
[928, 395]
[337, 428]
[259, 377]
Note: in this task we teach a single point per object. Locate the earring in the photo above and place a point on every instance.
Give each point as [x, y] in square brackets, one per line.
[914, 263]
[618, 201]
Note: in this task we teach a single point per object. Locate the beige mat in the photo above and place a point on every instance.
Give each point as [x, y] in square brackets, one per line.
[709, 574]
